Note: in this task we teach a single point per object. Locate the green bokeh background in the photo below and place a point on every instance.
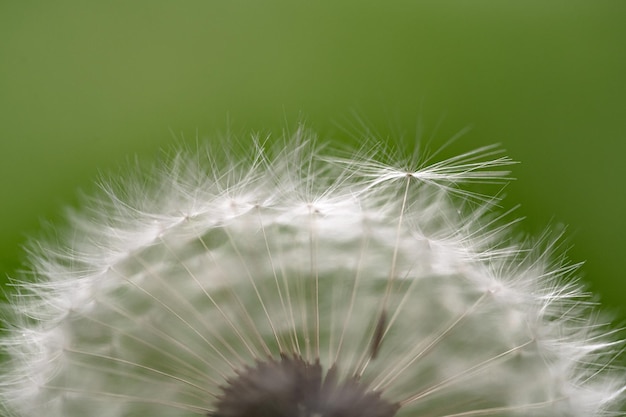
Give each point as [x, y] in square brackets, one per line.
[86, 84]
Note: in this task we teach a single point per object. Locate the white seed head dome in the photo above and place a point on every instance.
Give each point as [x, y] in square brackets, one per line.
[291, 283]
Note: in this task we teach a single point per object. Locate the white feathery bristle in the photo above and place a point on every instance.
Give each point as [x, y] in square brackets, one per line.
[169, 286]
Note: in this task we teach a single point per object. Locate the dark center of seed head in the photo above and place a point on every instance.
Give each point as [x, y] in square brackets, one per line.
[292, 387]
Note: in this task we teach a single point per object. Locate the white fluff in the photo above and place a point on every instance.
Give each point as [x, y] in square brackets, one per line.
[167, 283]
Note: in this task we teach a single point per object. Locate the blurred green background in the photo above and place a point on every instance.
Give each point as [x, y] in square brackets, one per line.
[86, 84]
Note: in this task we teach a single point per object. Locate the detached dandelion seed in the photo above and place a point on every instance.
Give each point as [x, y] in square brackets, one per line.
[293, 284]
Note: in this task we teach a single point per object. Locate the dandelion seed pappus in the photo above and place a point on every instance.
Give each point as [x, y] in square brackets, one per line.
[289, 282]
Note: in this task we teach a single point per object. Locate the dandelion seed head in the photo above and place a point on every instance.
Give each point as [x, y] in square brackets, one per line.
[293, 283]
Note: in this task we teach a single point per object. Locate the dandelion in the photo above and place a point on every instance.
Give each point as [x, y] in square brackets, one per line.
[293, 284]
